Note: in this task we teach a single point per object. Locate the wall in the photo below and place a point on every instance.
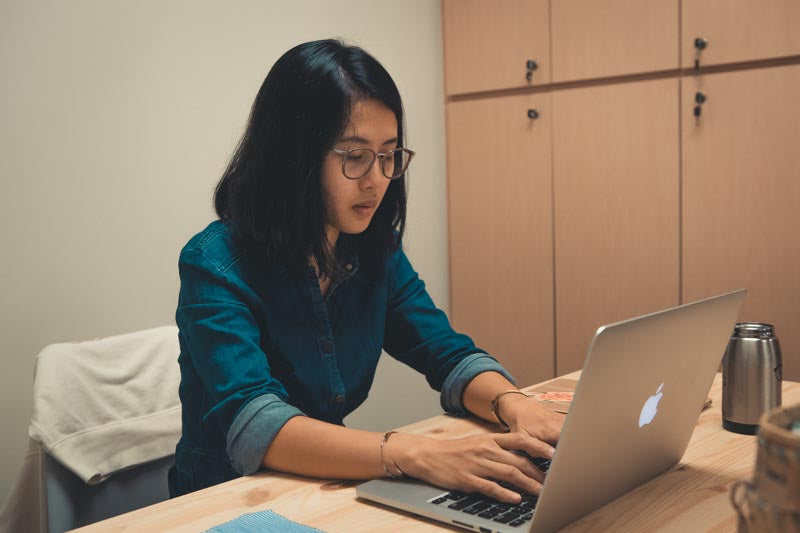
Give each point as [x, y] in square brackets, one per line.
[117, 120]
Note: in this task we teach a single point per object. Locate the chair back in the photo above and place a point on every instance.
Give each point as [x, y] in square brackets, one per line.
[71, 503]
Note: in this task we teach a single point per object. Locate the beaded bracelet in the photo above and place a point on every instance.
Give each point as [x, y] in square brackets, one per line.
[383, 463]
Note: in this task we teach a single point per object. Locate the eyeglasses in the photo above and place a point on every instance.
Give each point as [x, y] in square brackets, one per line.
[356, 163]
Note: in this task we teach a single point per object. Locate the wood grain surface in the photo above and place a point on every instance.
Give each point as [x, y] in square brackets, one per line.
[693, 496]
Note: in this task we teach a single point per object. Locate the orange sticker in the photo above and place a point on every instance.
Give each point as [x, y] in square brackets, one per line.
[554, 396]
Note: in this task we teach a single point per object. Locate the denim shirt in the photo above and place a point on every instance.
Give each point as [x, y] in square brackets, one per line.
[260, 345]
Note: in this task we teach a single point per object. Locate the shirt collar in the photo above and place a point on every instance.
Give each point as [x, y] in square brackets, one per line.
[347, 253]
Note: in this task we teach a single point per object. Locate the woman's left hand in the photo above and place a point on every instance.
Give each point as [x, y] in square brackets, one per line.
[526, 414]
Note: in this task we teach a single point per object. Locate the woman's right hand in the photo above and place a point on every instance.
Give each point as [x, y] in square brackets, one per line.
[474, 464]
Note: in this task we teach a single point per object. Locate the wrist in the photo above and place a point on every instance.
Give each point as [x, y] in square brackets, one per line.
[501, 403]
[403, 449]
[510, 406]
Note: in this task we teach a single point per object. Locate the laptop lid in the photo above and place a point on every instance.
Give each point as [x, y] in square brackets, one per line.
[641, 391]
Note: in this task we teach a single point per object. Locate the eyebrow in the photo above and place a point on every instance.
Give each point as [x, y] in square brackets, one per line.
[361, 140]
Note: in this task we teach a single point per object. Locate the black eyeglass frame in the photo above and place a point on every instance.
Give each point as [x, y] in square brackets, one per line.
[375, 155]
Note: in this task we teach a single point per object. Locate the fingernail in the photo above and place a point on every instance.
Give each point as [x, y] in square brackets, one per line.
[552, 451]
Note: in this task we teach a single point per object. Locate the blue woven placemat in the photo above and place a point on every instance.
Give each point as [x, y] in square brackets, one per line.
[260, 522]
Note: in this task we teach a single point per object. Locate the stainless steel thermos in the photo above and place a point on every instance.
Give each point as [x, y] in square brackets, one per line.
[752, 372]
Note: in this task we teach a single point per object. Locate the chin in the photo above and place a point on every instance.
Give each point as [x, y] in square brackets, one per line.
[355, 228]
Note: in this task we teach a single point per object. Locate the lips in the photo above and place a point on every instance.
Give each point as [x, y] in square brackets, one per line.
[369, 204]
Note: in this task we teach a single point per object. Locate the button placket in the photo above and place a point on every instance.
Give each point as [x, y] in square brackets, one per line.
[327, 347]
[326, 342]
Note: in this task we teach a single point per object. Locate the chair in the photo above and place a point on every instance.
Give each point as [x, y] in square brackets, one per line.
[72, 503]
[106, 418]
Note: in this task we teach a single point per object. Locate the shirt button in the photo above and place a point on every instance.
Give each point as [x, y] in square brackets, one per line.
[349, 266]
[327, 346]
[339, 399]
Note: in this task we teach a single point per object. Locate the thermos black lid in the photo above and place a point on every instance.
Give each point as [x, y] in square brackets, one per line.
[753, 330]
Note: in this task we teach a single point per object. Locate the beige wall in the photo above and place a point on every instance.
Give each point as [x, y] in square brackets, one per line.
[117, 120]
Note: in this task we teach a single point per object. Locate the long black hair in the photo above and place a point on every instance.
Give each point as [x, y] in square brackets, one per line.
[271, 191]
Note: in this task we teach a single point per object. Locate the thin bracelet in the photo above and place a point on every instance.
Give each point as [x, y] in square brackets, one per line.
[383, 463]
[495, 407]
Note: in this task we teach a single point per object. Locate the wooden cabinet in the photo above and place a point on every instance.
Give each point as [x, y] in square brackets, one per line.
[501, 235]
[739, 30]
[602, 38]
[741, 196]
[488, 45]
[616, 191]
[618, 201]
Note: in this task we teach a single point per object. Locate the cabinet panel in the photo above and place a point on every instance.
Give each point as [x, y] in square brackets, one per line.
[739, 30]
[741, 194]
[487, 44]
[599, 38]
[615, 170]
[501, 240]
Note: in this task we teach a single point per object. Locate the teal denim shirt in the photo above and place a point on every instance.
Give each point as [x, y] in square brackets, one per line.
[260, 345]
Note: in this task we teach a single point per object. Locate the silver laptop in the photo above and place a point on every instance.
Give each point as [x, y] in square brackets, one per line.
[643, 384]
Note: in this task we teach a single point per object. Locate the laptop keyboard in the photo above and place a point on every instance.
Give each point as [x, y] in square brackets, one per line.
[486, 507]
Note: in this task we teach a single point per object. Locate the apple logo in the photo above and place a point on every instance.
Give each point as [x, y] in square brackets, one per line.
[650, 407]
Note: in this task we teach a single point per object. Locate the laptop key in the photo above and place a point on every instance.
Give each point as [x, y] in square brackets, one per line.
[455, 495]
[461, 504]
[506, 518]
[541, 463]
[489, 513]
[437, 501]
[516, 523]
[477, 508]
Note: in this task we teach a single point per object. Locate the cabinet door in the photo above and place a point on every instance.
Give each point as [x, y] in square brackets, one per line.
[501, 239]
[615, 173]
[600, 38]
[741, 195]
[739, 30]
[487, 44]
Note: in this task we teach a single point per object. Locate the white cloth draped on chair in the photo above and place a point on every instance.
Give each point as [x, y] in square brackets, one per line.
[99, 407]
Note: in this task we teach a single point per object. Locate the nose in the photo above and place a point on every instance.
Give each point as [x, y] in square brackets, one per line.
[371, 179]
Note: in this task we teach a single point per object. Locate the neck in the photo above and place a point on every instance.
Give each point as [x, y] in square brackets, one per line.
[332, 234]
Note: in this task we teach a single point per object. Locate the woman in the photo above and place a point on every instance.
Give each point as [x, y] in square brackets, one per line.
[288, 299]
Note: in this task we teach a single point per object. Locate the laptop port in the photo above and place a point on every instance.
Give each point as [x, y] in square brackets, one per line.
[463, 524]
[485, 530]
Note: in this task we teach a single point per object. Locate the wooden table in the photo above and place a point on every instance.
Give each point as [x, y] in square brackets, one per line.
[693, 496]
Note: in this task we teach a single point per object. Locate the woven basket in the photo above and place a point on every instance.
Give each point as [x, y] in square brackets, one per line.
[771, 501]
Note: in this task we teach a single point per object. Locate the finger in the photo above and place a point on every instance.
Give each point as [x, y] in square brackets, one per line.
[526, 443]
[519, 460]
[492, 489]
[512, 474]
[524, 463]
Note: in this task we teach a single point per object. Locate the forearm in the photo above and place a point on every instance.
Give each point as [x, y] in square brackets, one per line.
[313, 448]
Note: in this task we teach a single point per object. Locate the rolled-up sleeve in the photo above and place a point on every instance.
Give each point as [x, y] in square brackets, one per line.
[219, 332]
[254, 428]
[462, 374]
[419, 334]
